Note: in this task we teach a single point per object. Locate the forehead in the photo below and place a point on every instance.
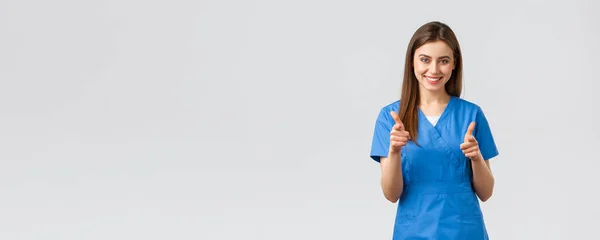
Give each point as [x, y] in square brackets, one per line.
[434, 49]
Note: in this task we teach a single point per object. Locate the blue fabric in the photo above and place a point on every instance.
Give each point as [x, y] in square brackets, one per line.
[438, 201]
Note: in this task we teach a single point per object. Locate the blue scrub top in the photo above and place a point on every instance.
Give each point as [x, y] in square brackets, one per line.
[438, 200]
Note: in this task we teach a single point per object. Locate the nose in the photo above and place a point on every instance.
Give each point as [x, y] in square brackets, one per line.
[433, 68]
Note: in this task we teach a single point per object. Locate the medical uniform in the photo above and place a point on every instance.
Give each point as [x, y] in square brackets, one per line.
[438, 200]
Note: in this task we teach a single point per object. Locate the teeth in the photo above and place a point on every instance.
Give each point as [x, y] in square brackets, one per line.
[433, 79]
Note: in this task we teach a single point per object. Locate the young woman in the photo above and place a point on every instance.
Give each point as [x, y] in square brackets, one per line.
[434, 147]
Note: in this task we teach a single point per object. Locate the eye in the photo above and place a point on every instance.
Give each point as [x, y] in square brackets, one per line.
[445, 61]
[425, 60]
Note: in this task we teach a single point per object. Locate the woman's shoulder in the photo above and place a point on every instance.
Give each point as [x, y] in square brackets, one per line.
[466, 105]
[384, 111]
[391, 106]
[388, 107]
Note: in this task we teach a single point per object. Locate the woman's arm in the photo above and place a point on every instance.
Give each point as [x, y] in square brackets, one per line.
[483, 179]
[392, 183]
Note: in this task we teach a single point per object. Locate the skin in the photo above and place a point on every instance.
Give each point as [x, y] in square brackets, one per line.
[391, 166]
[433, 64]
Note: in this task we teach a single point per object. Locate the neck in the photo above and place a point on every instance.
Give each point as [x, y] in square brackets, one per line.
[428, 97]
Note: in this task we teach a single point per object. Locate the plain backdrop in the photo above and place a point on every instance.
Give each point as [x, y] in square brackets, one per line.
[178, 119]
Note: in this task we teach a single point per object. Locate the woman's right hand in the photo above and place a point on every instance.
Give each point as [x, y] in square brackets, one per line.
[398, 135]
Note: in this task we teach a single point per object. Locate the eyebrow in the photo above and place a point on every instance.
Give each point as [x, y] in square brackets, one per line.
[430, 57]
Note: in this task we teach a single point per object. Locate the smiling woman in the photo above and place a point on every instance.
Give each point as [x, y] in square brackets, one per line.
[438, 177]
[433, 71]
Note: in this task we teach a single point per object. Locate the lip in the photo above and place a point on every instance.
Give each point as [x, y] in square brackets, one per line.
[432, 80]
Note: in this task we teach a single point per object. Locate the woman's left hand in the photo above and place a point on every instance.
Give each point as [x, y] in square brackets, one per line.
[470, 147]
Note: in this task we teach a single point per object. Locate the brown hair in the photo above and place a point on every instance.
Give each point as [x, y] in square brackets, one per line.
[409, 100]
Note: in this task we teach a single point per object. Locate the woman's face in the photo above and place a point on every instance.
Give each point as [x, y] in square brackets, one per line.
[433, 64]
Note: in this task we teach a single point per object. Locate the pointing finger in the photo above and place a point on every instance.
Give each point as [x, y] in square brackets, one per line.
[397, 119]
[470, 131]
[395, 116]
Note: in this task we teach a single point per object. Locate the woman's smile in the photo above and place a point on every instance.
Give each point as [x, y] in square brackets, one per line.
[433, 80]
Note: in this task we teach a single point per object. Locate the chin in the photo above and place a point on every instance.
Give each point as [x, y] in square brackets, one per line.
[434, 89]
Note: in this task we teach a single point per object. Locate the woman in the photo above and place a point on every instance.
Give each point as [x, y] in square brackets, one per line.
[434, 147]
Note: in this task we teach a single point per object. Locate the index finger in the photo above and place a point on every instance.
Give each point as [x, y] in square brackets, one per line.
[397, 119]
[470, 129]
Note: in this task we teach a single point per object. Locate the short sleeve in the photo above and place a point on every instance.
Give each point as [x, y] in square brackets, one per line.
[381, 136]
[483, 135]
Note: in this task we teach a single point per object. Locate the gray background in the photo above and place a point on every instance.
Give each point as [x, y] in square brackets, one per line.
[253, 119]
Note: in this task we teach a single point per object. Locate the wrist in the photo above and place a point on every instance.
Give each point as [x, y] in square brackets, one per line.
[393, 152]
[478, 158]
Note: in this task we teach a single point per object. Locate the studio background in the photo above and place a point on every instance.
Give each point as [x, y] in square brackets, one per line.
[253, 119]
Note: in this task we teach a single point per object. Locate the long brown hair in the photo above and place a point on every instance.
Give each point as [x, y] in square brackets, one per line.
[409, 100]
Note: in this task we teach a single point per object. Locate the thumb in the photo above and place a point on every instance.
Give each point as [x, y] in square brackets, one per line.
[469, 131]
[397, 119]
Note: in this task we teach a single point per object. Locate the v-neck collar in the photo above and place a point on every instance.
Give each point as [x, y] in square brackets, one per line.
[443, 116]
